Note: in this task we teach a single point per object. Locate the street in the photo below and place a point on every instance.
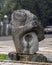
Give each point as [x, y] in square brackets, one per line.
[45, 46]
[6, 44]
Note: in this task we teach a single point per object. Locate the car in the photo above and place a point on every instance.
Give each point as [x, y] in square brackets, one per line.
[48, 30]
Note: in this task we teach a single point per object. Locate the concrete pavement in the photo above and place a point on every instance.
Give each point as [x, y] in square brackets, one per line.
[6, 45]
[45, 46]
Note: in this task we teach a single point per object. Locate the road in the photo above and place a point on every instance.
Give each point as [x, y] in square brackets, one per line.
[48, 36]
[6, 44]
[45, 46]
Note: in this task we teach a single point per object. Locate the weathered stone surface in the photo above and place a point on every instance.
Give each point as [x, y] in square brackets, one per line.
[39, 58]
[30, 57]
[12, 55]
[24, 23]
[30, 42]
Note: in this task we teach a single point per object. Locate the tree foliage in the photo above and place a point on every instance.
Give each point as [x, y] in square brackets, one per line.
[1, 7]
[41, 8]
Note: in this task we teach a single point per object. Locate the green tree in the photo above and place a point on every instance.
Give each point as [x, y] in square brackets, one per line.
[41, 8]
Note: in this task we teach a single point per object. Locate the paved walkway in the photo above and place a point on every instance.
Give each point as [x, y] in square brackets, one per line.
[6, 45]
[23, 63]
[45, 46]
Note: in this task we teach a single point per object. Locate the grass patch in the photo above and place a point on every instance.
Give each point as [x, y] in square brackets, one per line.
[3, 56]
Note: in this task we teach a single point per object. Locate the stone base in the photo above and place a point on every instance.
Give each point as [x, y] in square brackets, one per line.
[25, 57]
